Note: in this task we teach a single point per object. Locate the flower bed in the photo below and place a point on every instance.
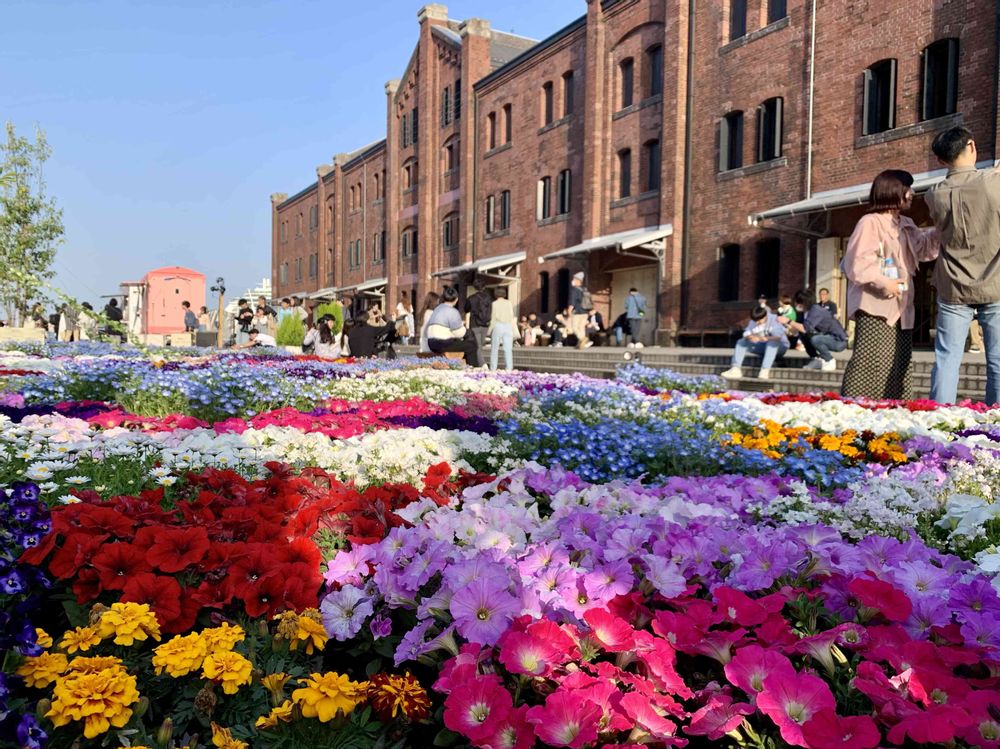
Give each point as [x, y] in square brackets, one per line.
[235, 550]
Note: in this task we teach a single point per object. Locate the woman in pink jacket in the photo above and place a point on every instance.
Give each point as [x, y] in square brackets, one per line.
[882, 258]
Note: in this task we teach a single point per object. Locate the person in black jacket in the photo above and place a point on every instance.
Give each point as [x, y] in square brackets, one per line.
[364, 338]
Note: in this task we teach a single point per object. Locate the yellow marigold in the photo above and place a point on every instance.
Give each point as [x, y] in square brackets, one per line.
[180, 656]
[223, 637]
[275, 684]
[101, 700]
[830, 442]
[229, 669]
[280, 714]
[324, 695]
[80, 639]
[129, 622]
[309, 630]
[288, 624]
[392, 696]
[41, 670]
[223, 738]
[92, 665]
[43, 638]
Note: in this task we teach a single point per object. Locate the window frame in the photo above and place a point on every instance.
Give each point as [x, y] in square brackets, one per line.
[491, 131]
[737, 19]
[446, 108]
[505, 210]
[626, 83]
[729, 272]
[568, 85]
[776, 10]
[653, 162]
[770, 129]
[767, 279]
[548, 103]
[490, 214]
[874, 77]
[929, 108]
[544, 199]
[450, 232]
[508, 123]
[654, 67]
[624, 173]
[564, 192]
[731, 130]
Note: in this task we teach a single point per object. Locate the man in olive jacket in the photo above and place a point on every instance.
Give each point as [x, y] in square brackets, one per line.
[965, 208]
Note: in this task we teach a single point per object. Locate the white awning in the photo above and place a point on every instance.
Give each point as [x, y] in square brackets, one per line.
[328, 293]
[366, 285]
[649, 238]
[486, 264]
[844, 197]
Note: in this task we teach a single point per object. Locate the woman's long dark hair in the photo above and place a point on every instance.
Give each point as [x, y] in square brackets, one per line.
[431, 301]
[325, 333]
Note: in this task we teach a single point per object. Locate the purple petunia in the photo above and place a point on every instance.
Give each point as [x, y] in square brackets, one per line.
[483, 610]
[344, 612]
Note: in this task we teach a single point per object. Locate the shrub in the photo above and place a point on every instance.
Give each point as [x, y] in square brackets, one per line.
[335, 310]
[291, 331]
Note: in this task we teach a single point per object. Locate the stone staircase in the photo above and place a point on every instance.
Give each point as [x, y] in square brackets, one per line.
[787, 375]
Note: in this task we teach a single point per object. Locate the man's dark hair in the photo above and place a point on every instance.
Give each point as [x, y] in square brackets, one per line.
[286, 299]
[889, 190]
[242, 302]
[479, 284]
[633, 289]
[252, 332]
[824, 289]
[361, 319]
[805, 297]
[113, 303]
[186, 305]
[449, 294]
[501, 292]
[950, 143]
[758, 313]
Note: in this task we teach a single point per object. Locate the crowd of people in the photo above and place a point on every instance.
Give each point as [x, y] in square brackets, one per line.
[882, 259]
[74, 322]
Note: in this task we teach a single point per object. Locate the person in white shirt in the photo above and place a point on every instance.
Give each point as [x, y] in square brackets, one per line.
[446, 330]
[502, 330]
[431, 301]
[326, 344]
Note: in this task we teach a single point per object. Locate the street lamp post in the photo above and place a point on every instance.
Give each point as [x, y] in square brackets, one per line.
[220, 288]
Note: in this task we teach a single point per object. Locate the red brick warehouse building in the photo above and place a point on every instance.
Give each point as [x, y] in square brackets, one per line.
[704, 151]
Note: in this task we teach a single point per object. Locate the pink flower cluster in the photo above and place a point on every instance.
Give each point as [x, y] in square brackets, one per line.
[752, 668]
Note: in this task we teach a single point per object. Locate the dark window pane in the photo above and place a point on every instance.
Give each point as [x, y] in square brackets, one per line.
[731, 142]
[627, 80]
[729, 273]
[768, 267]
[880, 97]
[543, 292]
[624, 173]
[654, 59]
[940, 79]
[776, 10]
[737, 19]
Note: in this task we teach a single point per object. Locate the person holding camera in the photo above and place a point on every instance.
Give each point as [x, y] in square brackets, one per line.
[364, 337]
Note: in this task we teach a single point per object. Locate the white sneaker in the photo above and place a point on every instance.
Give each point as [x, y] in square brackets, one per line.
[814, 363]
[630, 345]
[639, 344]
[588, 344]
[975, 350]
[764, 374]
[829, 366]
[733, 373]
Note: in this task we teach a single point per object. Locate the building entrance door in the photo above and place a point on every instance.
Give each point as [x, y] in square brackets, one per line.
[642, 278]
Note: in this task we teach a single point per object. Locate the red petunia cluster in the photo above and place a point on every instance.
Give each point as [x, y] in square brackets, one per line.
[228, 544]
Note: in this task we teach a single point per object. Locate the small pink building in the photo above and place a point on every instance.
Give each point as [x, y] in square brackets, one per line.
[155, 306]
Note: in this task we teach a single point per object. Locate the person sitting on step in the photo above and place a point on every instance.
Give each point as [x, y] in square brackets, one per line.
[764, 336]
[821, 332]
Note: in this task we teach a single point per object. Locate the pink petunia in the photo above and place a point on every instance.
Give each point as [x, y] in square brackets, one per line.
[477, 708]
[939, 724]
[566, 719]
[790, 699]
[827, 730]
[512, 731]
[752, 664]
[719, 716]
[642, 712]
[881, 597]
[614, 634]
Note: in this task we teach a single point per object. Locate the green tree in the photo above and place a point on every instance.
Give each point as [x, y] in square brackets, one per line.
[30, 223]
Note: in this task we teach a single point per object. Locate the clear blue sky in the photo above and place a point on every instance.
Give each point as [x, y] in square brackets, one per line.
[172, 121]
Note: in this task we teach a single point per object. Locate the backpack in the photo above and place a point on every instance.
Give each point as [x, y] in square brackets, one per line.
[586, 300]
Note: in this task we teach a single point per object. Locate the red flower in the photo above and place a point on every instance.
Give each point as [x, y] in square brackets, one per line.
[301, 551]
[177, 548]
[614, 634]
[119, 562]
[881, 596]
[87, 585]
[163, 594]
[827, 730]
[248, 572]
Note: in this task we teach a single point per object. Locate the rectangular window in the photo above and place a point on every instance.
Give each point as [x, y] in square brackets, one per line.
[508, 123]
[562, 289]
[652, 149]
[654, 64]
[565, 191]
[768, 267]
[490, 215]
[940, 79]
[457, 99]
[776, 10]
[491, 130]
[624, 173]
[404, 131]
[729, 273]
[413, 125]
[505, 209]
[737, 19]
[313, 265]
[543, 292]
[404, 244]
[548, 105]
[880, 98]
[567, 81]
[298, 269]
[450, 159]
[627, 77]
[313, 217]
[446, 110]
[413, 242]
[283, 231]
[769, 129]
[731, 142]
[283, 273]
[544, 198]
[450, 232]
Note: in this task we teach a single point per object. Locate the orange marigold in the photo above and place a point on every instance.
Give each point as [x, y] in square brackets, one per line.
[392, 696]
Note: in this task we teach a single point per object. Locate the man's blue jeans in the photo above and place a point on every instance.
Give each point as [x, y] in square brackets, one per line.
[768, 351]
[953, 322]
[822, 345]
